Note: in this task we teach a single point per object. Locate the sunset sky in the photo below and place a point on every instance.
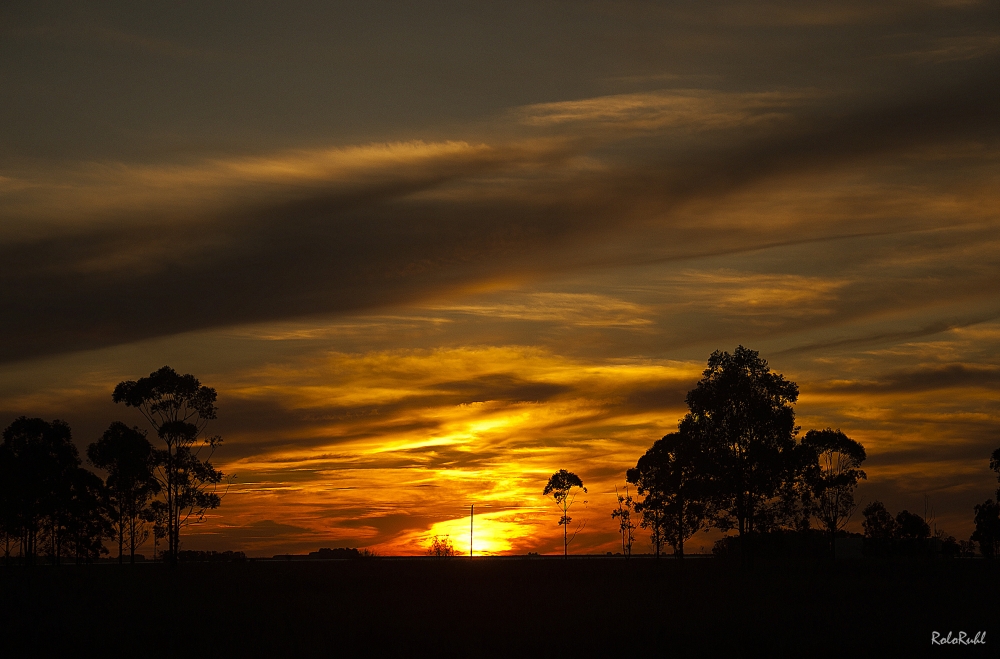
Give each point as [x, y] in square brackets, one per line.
[430, 253]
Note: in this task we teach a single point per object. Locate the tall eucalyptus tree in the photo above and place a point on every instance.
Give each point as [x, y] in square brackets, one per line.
[742, 413]
[178, 408]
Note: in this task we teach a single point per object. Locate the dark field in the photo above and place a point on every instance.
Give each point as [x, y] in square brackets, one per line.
[548, 607]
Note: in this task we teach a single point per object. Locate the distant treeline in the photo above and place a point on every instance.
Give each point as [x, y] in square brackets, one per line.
[326, 554]
[52, 507]
[735, 464]
[193, 556]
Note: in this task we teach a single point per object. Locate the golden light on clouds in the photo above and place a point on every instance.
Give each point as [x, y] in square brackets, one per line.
[426, 273]
[212, 185]
[685, 109]
[411, 411]
[572, 308]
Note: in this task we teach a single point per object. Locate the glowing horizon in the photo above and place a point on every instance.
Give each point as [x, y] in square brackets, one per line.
[428, 257]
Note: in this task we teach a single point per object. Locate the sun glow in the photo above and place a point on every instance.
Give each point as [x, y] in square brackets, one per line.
[493, 532]
[395, 438]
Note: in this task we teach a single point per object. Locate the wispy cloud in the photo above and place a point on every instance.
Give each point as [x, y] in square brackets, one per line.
[572, 308]
[957, 49]
[685, 109]
[306, 243]
[425, 273]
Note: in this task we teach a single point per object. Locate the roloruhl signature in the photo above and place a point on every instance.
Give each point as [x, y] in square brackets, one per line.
[960, 639]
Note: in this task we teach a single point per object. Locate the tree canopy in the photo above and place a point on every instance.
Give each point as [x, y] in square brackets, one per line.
[834, 481]
[168, 397]
[743, 414]
[995, 466]
[51, 503]
[129, 460]
[987, 533]
[879, 524]
[178, 407]
[672, 478]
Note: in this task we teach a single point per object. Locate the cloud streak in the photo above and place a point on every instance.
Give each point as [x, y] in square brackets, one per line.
[429, 257]
[406, 235]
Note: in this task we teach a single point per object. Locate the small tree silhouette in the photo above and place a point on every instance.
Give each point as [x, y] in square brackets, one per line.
[987, 519]
[670, 478]
[626, 527]
[995, 466]
[129, 459]
[911, 526]
[837, 476]
[51, 502]
[441, 547]
[879, 524]
[987, 532]
[559, 486]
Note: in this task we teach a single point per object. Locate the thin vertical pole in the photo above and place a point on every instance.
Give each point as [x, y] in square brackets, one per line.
[472, 516]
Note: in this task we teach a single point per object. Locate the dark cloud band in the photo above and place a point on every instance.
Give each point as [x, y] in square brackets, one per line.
[405, 240]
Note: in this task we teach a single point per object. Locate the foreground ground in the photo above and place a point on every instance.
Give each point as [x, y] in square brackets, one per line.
[506, 608]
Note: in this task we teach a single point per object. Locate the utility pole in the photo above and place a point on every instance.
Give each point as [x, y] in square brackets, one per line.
[472, 515]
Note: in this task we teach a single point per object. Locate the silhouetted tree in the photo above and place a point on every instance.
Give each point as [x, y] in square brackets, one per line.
[652, 519]
[129, 459]
[626, 527]
[652, 508]
[987, 532]
[995, 466]
[559, 486]
[880, 528]
[9, 529]
[178, 408]
[911, 526]
[879, 524]
[157, 510]
[88, 521]
[671, 478]
[35, 451]
[950, 547]
[834, 482]
[441, 547]
[53, 502]
[966, 548]
[743, 413]
[795, 503]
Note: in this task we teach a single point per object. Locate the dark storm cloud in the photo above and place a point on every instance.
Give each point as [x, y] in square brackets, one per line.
[394, 242]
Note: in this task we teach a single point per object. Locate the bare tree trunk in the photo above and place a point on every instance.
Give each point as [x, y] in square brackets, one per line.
[565, 525]
[657, 533]
[121, 533]
[680, 527]
[171, 506]
[743, 549]
[131, 539]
